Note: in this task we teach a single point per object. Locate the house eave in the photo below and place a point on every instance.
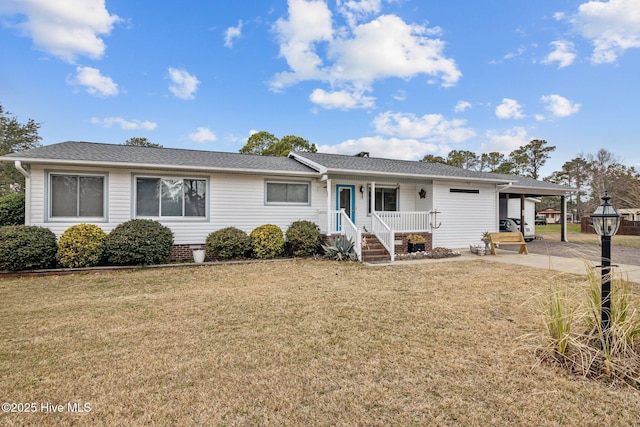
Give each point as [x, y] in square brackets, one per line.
[414, 176]
[154, 166]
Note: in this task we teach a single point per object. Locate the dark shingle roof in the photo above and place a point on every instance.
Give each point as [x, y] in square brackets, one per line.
[88, 153]
[123, 155]
[339, 162]
[372, 165]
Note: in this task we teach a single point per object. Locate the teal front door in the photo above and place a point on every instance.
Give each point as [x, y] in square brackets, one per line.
[345, 200]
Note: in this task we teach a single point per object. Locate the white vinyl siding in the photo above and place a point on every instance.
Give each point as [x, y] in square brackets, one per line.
[234, 200]
[463, 215]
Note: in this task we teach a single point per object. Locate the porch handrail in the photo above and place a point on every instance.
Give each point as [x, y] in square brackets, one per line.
[384, 233]
[407, 221]
[351, 232]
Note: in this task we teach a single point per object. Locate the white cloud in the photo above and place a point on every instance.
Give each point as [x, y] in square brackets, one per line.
[232, 33]
[461, 106]
[506, 141]
[389, 47]
[612, 26]
[432, 127]
[357, 10]
[341, 99]
[202, 135]
[183, 85]
[94, 82]
[352, 59]
[65, 29]
[559, 106]
[124, 124]
[378, 146]
[563, 53]
[309, 23]
[509, 109]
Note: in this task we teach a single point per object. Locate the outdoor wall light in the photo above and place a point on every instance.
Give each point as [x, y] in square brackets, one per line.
[606, 221]
[422, 193]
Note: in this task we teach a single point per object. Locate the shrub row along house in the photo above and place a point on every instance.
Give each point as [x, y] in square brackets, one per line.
[196, 192]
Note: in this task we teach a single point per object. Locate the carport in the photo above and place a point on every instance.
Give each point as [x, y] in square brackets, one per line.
[522, 188]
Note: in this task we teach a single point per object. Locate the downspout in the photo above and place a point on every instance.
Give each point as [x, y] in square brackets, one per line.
[27, 191]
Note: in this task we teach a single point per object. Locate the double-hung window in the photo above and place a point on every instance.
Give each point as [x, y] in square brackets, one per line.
[77, 195]
[170, 197]
[386, 199]
[280, 192]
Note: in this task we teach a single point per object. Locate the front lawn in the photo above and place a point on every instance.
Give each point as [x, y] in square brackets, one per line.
[293, 343]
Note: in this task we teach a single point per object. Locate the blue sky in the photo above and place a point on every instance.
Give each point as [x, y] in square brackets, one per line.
[397, 78]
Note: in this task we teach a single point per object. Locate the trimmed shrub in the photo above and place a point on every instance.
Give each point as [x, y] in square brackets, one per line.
[267, 241]
[228, 243]
[81, 245]
[303, 238]
[139, 242]
[12, 209]
[27, 247]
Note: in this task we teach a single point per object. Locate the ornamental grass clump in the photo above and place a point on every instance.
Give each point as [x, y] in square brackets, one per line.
[81, 245]
[573, 337]
[228, 243]
[27, 247]
[267, 241]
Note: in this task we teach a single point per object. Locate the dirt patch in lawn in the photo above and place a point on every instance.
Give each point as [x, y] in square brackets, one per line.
[296, 343]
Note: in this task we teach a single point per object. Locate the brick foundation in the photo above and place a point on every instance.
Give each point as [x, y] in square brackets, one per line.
[182, 253]
[404, 247]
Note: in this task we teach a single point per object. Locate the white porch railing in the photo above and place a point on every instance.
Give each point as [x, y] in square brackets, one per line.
[352, 232]
[384, 233]
[383, 224]
[339, 222]
[407, 222]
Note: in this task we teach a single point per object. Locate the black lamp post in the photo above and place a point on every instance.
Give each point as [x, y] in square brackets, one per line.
[606, 222]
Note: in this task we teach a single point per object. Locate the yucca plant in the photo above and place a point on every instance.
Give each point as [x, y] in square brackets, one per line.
[340, 249]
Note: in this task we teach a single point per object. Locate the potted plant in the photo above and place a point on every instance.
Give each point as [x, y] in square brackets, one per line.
[416, 243]
[486, 238]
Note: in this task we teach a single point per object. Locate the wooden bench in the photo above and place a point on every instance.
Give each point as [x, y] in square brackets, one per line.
[508, 238]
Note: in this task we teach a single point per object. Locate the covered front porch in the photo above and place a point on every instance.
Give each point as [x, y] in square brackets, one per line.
[396, 209]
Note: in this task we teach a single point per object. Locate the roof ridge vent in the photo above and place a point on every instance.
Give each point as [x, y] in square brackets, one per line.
[362, 154]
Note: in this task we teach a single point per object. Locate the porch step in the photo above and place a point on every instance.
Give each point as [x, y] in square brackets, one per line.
[374, 251]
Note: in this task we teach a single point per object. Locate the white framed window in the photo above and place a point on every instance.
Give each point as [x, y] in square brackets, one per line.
[77, 195]
[286, 192]
[170, 197]
[386, 199]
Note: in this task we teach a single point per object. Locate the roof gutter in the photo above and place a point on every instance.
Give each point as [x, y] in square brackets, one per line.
[505, 186]
[414, 175]
[155, 166]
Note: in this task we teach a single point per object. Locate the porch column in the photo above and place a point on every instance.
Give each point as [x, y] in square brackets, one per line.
[522, 211]
[330, 216]
[372, 199]
[563, 219]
